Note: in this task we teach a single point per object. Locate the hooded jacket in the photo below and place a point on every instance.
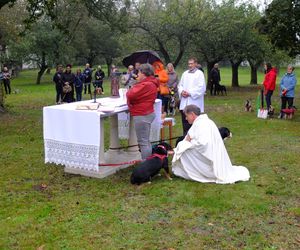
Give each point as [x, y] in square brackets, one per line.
[141, 96]
[270, 80]
[160, 71]
[288, 83]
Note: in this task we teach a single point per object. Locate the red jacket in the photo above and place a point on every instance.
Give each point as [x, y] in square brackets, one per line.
[142, 95]
[270, 80]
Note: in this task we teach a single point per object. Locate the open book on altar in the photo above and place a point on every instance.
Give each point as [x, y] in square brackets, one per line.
[87, 106]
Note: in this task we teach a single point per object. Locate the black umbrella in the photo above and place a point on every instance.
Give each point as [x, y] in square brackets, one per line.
[141, 56]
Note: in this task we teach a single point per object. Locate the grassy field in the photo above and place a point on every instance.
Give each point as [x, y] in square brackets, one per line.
[41, 207]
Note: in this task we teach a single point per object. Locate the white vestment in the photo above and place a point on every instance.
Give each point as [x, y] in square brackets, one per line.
[193, 83]
[205, 158]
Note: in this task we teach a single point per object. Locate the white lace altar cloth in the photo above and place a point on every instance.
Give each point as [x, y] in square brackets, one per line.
[72, 137]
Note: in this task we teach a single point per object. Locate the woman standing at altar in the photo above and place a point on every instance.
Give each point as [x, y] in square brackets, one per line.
[140, 100]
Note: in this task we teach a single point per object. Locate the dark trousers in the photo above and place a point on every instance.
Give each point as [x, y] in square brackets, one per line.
[7, 86]
[268, 98]
[58, 93]
[99, 84]
[164, 102]
[287, 100]
[87, 86]
[185, 125]
[78, 91]
[213, 88]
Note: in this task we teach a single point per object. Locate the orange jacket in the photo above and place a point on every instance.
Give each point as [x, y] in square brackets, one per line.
[161, 72]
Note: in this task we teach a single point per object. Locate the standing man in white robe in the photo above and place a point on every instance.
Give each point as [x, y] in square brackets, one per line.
[191, 90]
[202, 155]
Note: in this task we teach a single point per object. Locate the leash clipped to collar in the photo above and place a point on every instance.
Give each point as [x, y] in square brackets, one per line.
[161, 157]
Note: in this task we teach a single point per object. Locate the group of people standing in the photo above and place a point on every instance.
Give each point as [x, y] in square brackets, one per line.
[201, 155]
[150, 83]
[67, 83]
[287, 87]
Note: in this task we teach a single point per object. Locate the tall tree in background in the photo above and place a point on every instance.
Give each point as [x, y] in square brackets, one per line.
[167, 25]
[281, 23]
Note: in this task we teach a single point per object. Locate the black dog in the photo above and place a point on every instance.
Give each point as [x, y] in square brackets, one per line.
[224, 132]
[153, 164]
[221, 89]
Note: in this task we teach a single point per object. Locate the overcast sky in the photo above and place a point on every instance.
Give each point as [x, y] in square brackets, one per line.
[261, 3]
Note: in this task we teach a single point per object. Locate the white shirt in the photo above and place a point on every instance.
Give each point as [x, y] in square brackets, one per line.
[194, 84]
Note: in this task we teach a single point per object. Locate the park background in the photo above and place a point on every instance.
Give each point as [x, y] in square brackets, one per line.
[44, 208]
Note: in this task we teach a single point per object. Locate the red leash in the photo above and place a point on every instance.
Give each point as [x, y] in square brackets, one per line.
[118, 164]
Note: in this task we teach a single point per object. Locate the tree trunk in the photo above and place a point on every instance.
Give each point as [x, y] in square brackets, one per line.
[108, 63]
[40, 74]
[210, 65]
[235, 73]
[43, 68]
[253, 79]
[2, 109]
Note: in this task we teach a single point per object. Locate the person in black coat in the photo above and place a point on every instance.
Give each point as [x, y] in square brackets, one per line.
[215, 79]
[87, 78]
[68, 79]
[57, 79]
[99, 76]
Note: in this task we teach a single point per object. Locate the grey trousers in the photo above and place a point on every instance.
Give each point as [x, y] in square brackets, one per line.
[142, 126]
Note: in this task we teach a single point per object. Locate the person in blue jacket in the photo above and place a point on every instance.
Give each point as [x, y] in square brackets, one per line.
[287, 88]
[79, 80]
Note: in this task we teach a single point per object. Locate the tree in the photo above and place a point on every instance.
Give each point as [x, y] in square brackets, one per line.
[167, 25]
[281, 23]
[41, 45]
[97, 40]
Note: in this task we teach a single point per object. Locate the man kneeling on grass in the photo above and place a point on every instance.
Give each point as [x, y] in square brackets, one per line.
[202, 155]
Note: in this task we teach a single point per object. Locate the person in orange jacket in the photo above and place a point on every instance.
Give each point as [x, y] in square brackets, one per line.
[269, 83]
[163, 89]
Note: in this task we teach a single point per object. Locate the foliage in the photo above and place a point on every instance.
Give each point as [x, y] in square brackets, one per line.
[167, 26]
[281, 23]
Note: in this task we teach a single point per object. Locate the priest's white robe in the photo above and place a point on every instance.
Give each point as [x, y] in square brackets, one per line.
[205, 158]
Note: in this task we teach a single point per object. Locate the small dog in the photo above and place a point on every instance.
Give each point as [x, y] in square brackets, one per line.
[224, 132]
[248, 106]
[146, 170]
[271, 111]
[288, 113]
[220, 89]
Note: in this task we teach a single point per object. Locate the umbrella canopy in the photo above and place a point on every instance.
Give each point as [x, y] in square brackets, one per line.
[141, 56]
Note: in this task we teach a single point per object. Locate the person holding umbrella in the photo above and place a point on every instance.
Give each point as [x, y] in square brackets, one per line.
[140, 100]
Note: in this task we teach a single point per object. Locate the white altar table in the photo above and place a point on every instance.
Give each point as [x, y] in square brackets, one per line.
[75, 138]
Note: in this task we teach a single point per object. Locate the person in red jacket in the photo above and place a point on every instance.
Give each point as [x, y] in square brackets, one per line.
[269, 83]
[140, 100]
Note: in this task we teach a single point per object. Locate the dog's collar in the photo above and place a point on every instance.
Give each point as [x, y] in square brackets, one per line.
[161, 157]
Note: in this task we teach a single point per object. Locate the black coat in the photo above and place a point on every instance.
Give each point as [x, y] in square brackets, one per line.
[215, 77]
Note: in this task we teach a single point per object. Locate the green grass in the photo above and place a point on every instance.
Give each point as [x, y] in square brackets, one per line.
[75, 212]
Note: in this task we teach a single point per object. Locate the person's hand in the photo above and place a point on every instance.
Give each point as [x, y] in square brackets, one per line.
[185, 93]
[188, 138]
[284, 91]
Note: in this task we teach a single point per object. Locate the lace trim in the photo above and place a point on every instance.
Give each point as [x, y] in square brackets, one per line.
[72, 155]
